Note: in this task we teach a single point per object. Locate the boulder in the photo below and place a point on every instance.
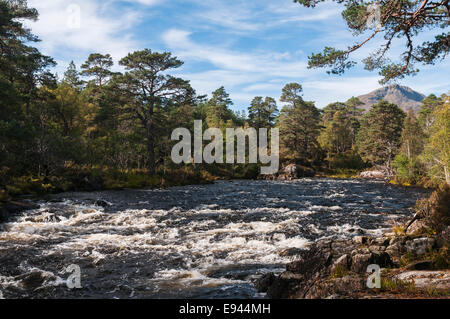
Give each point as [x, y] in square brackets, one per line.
[294, 171]
[35, 279]
[336, 288]
[373, 174]
[382, 241]
[419, 246]
[418, 226]
[427, 279]
[360, 240]
[360, 262]
[342, 262]
[101, 203]
[396, 249]
[263, 284]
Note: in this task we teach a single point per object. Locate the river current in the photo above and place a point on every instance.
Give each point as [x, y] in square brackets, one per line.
[208, 241]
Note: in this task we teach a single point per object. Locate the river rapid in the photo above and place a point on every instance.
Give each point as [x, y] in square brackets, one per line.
[208, 241]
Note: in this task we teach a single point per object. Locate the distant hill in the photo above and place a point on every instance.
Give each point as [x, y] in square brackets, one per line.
[405, 97]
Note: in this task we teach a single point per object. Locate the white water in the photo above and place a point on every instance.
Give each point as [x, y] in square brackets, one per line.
[193, 241]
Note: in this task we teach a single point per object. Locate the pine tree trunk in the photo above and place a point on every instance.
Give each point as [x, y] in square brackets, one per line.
[447, 175]
[150, 150]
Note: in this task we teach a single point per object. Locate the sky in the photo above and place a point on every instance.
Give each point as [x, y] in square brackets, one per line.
[252, 47]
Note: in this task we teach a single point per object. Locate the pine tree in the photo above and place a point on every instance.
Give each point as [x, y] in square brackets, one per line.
[299, 124]
[262, 113]
[379, 139]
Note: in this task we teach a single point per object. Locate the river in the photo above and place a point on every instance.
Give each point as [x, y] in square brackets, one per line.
[208, 241]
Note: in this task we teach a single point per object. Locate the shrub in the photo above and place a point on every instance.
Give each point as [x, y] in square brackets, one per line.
[436, 209]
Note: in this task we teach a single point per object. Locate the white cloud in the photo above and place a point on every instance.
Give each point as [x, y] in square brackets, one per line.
[338, 88]
[145, 2]
[272, 64]
[244, 74]
[101, 28]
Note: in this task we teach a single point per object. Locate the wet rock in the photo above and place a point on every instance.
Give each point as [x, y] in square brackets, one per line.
[427, 279]
[419, 246]
[101, 203]
[263, 284]
[3, 215]
[291, 252]
[34, 279]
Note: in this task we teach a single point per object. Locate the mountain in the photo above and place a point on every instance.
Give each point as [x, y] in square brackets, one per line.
[405, 97]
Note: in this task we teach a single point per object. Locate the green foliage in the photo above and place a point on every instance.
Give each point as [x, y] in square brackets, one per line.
[395, 20]
[378, 140]
[299, 124]
[407, 170]
[218, 113]
[262, 113]
[348, 160]
[339, 272]
[397, 285]
[437, 149]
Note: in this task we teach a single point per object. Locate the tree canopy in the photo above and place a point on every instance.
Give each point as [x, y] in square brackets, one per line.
[395, 20]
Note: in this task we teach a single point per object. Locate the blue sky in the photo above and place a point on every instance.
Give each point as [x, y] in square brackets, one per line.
[252, 47]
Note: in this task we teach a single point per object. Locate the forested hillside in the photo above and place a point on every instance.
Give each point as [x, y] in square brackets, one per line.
[94, 128]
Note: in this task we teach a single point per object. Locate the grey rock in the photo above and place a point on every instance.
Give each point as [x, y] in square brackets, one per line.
[382, 241]
[360, 240]
[427, 279]
[360, 262]
[418, 226]
[372, 174]
[419, 246]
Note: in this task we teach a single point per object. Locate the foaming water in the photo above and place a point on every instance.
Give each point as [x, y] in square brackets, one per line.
[186, 242]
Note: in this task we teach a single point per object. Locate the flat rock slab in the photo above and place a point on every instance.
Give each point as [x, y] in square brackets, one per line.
[426, 279]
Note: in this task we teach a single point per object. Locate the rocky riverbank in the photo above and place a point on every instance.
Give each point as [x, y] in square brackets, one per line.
[414, 262]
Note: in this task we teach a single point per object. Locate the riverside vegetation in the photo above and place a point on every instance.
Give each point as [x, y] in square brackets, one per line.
[112, 130]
